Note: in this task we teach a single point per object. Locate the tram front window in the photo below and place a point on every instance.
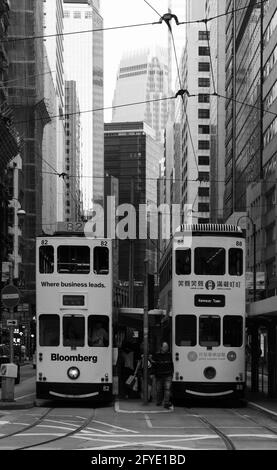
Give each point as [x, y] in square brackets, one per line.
[235, 262]
[74, 259]
[73, 330]
[209, 331]
[209, 261]
[183, 262]
[98, 331]
[185, 328]
[232, 331]
[101, 260]
[49, 330]
[46, 259]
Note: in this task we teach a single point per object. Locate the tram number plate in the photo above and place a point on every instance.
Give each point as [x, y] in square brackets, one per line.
[209, 301]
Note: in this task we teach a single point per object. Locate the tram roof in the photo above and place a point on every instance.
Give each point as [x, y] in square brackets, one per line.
[210, 228]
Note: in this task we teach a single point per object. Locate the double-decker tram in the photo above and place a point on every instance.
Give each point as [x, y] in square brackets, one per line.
[74, 317]
[207, 278]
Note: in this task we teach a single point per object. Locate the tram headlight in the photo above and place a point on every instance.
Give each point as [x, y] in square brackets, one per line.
[210, 373]
[73, 373]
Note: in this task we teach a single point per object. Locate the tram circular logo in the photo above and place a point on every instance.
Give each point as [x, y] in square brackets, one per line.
[192, 356]
[210, 285]
[231, 356]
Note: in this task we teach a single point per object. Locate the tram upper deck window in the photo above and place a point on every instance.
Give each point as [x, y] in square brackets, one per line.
[98, 331]
[46, 259]
[209, 331]
[49, 330]
[73, 330]
[101, 260]
[73, 259]
[209, 261]
[185, 328]
[183, 262]
[235, 262]
[233, 331]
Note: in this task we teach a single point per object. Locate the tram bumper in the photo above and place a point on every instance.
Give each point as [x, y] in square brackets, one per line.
[208, 390]
[78, 391]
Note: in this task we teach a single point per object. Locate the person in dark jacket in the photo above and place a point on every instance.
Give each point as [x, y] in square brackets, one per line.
[163, 370]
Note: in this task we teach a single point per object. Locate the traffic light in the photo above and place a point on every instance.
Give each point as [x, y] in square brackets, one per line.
[151, 291]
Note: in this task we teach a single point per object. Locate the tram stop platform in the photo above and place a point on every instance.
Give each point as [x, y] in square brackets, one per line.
[134, 406]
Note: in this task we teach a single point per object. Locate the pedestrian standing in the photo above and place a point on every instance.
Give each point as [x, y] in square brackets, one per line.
[163, 370]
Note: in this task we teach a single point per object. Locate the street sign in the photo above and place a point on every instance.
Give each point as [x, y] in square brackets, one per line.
[12, 323]
[10, 296]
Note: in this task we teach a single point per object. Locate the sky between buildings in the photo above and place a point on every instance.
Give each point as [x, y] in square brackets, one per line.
[125, 12]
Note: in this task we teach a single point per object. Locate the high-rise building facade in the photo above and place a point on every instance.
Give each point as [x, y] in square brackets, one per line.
[132, 154]
[26, 98]
[72, 153]
[55, 150]
[217, 29]
[84, 65]
[194, 115]
[143, 76]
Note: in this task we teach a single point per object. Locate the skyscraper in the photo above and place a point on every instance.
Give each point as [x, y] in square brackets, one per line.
[84, 64]
[194, 116]
[26, 98]
[143, 75]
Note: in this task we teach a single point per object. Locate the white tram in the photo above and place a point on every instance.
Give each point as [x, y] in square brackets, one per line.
[74, 317]
[206, 280]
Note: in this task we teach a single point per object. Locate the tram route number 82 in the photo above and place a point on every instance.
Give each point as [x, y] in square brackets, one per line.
[238, 243]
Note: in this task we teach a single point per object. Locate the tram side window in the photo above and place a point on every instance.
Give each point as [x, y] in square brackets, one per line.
[73, 330]
[73, 259]
[101, 260]
[49, 330]
[98, 331]
[183, 262]
[185, 330]
[232, 331]
[235, 262]
[209, 331]
[209, 261]
[46, 259]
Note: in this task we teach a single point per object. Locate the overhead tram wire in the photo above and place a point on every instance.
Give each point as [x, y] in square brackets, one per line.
[111, 28]
[85, 31]
[150, 179]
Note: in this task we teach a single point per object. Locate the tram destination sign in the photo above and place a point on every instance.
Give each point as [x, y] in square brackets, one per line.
[209, 300]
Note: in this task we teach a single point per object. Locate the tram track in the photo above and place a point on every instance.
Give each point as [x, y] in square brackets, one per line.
[227, 441]
[66, 435]
[29, 426]
[262, 426]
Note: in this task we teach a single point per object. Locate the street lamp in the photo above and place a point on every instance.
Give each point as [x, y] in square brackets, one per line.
[254, 251]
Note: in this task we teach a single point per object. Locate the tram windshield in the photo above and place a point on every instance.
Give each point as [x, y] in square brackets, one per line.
[46, 259]
[209, 261]
[235, 262]
[209, 331]
[185, 328]
[101, 260]
[98, 331]
[73, 259]
[73, 330]
[233, 331]
[49, 330]
[183, 262]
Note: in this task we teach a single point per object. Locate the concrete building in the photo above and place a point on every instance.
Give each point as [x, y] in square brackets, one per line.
[54, 140]
[195, 117]
[217, 108]
[132, 154]
[26, 98]
[72, 153]
[9, 147]
[84, 52]
[143, 75]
